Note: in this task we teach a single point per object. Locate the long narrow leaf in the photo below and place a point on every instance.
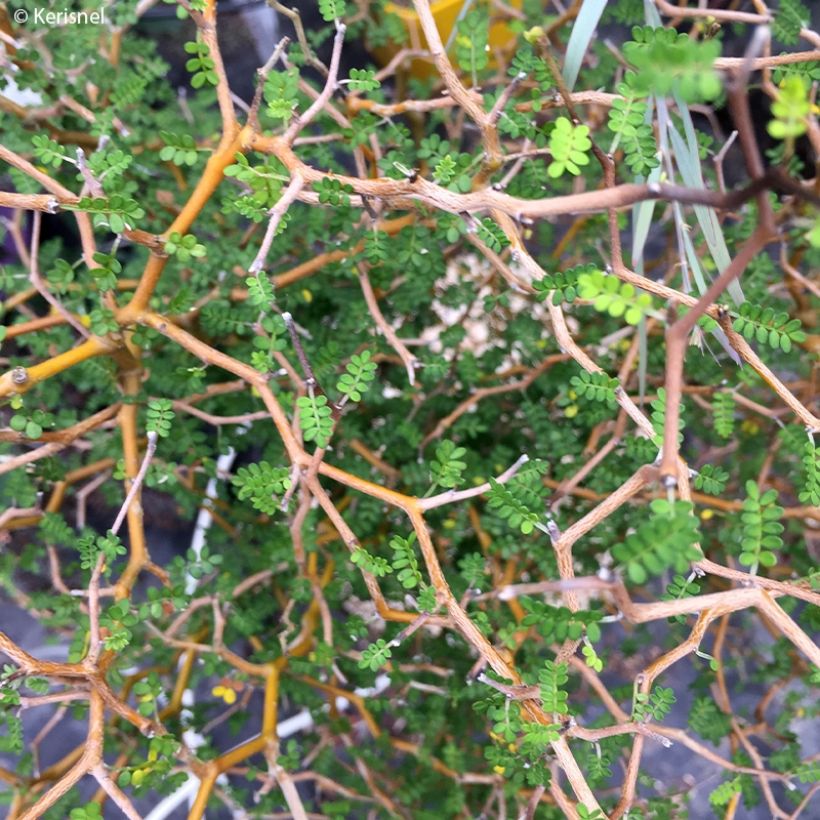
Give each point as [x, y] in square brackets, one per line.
[653, 18]
[664, 124]
[700, 280]
[579, 40]
[690, 172]
[642, 214]
[454, 31]
[643, 358]
[688, 162]
[694, 263]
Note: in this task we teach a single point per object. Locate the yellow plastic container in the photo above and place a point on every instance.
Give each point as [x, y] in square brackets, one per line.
[445, 13]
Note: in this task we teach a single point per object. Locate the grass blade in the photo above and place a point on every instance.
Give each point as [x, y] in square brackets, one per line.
[688, 162]
[642, 214]
[579, 40]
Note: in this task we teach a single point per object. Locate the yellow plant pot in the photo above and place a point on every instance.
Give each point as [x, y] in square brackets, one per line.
[445, 13]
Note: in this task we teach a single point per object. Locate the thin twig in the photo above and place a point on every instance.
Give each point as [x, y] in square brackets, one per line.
[410, 361]
[454, 496]
[39, 284]
[276, 213]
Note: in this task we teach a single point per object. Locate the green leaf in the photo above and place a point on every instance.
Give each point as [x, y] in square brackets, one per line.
[47, 150]
[591, 657]
[678, 588]
[790, 109]
[447, 467]
[725, 792]
[405, 561]
[631, 132]
[537, 738]
[260, 290]
[708, 720]
[375, 656]
[333, 192]
[760, 528]
[790, 17]
[659, 417]
[374, 564]
[33, 430]
[654, 706]
[281, 92]
[180, 149]
[608, 294]
[473, 569]
[569, 145]
[159, 417]
[723, 408]
[589, 814]
[511, 508]
[521, 501]
[427, 599]
[560, 623]
[332, 10]
[667, 540]
[55, 530]
[315, 419]
[363, 79]
[360, 372]
[262, 484]
[561, 286]
[669, 62]
[810, 483]
[445, 170]
[711, 479]
[184, 247]
[119, 212]
[472, 41]
[596, 387]
[551, 680]
[767, 326]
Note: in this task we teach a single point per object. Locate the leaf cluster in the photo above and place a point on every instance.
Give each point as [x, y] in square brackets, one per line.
[520, 501]
[263, 485]
[569, 145]
[631, 131]
[359, 373]
[609, 294]
[668, 540]
[761, 528]
[791, 16]
[767, 326]
[596, 387]
[668, 62]
[315, 418]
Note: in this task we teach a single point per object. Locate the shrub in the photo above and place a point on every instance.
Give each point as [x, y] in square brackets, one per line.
[373, 341]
